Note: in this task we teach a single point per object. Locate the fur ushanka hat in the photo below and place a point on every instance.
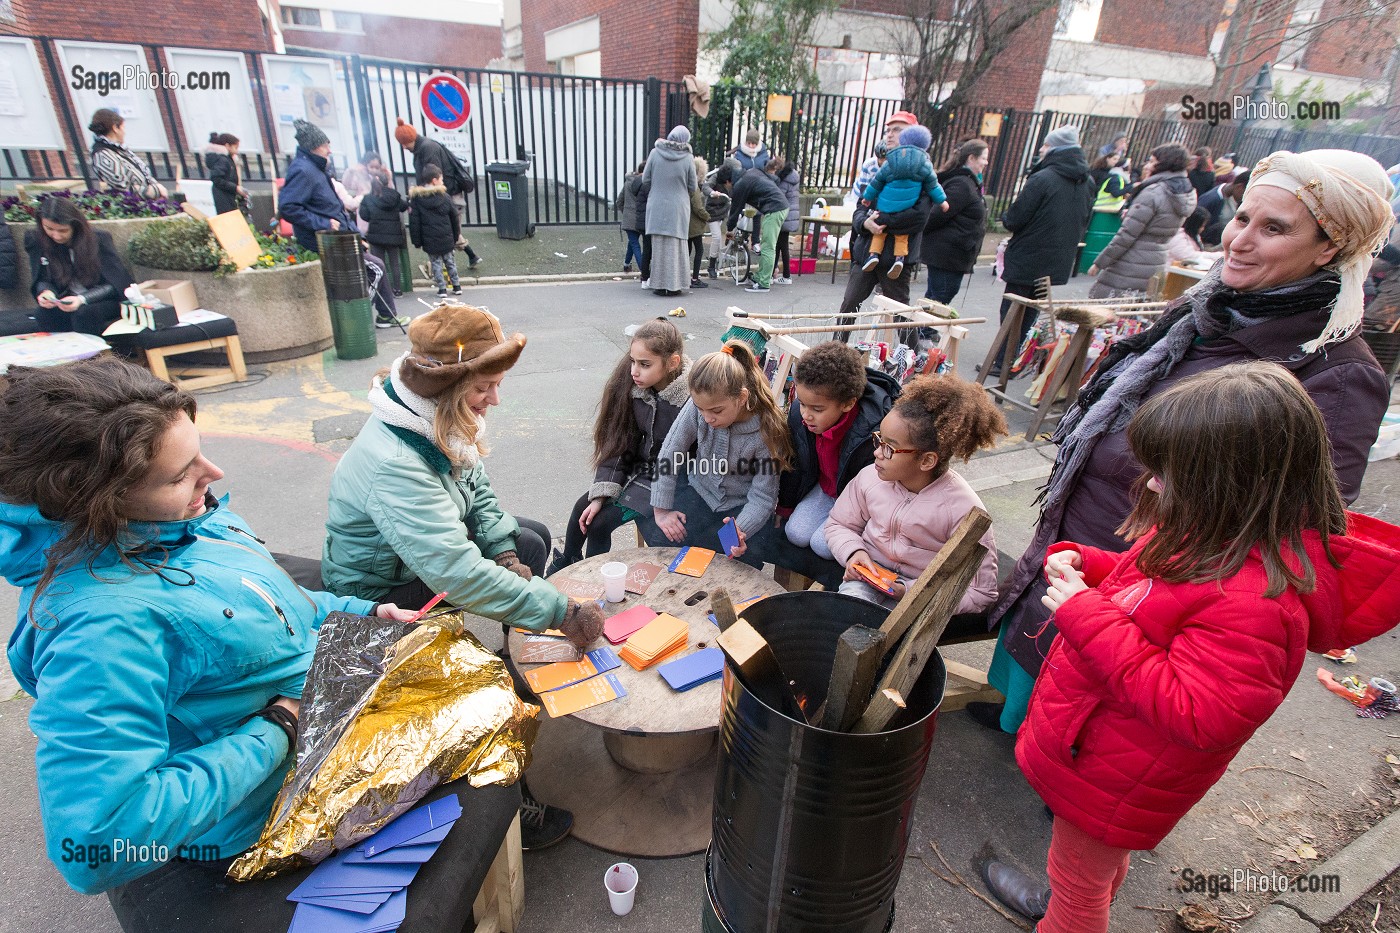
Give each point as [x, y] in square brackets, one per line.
[454, 342]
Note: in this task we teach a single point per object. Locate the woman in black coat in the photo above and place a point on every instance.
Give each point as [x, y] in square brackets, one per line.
[219, 158]
[77, 277]
[380, 210]
[953, 238]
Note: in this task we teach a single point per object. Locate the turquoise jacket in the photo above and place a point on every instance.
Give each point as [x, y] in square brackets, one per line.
[142, 679]
[399, 512]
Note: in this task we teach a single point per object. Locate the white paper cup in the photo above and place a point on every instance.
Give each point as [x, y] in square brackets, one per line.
[614, 581]
[621, 883]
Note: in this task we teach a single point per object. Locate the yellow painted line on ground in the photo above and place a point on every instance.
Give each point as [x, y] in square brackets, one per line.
[286, 417]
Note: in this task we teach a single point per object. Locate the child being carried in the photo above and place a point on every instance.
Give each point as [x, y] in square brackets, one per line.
[906, 175]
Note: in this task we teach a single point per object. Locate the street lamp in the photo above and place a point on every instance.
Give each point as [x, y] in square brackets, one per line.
[1259, 90]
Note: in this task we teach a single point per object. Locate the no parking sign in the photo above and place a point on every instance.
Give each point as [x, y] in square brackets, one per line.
[445, 101]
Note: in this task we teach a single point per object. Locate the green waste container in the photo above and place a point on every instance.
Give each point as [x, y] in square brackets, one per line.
[347, 291]
[1102, 227]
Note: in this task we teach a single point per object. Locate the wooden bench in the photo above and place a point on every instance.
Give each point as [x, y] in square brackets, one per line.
[218, 334]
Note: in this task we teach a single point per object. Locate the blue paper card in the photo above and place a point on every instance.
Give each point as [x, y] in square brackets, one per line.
[413, 824]
[604, 659]
[729, 537]
[314, 918]
[414, 855]
[359, 904]
[701, 667]
[333, 876]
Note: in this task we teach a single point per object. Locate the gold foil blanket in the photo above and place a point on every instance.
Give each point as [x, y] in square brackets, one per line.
[388, 714]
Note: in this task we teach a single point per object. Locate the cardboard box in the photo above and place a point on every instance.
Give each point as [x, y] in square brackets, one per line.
[178, 293]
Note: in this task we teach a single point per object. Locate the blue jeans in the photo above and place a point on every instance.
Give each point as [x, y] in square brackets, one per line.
[943, 286]
[634, 248]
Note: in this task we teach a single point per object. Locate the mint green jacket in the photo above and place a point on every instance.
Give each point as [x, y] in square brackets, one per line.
[399, 512]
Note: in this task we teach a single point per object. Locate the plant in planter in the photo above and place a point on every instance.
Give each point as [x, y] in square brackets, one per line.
[96, 205]
[190, 246]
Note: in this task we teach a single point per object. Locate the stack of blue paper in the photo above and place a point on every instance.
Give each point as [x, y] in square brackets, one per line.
[695, 669]
[362, 890]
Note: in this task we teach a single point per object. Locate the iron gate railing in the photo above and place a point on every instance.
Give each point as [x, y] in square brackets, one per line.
[583, 135]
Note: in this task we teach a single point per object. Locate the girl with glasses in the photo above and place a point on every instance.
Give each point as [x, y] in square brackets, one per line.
[899, 512]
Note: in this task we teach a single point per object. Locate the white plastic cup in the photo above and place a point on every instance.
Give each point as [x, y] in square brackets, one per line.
[614, 581]
[621, 883]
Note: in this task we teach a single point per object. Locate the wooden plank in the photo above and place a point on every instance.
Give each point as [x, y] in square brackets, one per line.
[963, 559]
[973, 526]
[858, 656]
[723, 608]
[965, 671]
[749, 652]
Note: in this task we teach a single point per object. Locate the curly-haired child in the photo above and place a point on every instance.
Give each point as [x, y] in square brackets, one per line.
[731, 442]
[900, 511]
[839, 403]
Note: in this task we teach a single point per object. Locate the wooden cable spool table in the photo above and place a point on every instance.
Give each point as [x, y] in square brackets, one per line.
[638, 772]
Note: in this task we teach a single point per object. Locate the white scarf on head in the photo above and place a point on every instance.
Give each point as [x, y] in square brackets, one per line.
[420, 416]
[1348, 195]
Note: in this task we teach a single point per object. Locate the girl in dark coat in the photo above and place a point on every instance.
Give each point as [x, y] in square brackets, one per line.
[380, 210]
[953, 238]
[75, 273]
[645, 392]
[434, 227]
[219, 158]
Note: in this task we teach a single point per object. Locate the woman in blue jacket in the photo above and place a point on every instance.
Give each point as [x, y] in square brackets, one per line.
[165, 650]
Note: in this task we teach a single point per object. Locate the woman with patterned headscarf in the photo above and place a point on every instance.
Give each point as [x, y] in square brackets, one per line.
[1288, 290]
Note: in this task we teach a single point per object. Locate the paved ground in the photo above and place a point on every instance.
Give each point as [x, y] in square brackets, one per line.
[1313, 776]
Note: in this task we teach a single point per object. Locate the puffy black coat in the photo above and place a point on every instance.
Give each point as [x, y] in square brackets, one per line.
[454, 175]
[9, 258]
[1049, 218]
[380, 212]
[953, 238]
[755, 189]
[223, 175]
[113, 276]
[640, 189]
[857, 450]
[433, 223]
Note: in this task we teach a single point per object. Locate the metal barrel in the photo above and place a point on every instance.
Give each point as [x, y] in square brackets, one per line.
[342, 265]
[811, 826]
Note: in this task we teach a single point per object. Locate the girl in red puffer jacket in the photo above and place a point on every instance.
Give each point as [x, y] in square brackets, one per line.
[1170, 656]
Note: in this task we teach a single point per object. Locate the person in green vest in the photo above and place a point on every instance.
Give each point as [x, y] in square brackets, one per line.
[1110, 179]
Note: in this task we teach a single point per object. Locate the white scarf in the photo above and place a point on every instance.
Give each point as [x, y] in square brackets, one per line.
[419, 416]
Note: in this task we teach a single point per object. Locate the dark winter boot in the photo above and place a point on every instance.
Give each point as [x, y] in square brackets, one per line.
[714, 263]
[1016, 889]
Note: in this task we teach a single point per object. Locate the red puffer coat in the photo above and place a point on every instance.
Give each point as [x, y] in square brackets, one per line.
[1152, 688]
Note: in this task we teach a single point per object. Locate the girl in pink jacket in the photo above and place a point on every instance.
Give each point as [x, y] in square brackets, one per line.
[899, 512]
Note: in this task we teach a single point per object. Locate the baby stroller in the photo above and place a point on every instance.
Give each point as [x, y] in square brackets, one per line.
[373, 276]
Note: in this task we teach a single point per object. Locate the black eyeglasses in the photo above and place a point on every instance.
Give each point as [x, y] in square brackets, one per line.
[886, 450]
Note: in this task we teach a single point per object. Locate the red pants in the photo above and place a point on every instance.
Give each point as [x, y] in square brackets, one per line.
[1084, 876]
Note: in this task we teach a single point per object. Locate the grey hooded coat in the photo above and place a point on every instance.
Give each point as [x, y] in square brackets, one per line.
[1139, 249]
[670, 171]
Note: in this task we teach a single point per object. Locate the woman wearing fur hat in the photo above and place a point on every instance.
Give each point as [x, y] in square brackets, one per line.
[1289, 289]
[670, 172]
[412, 511]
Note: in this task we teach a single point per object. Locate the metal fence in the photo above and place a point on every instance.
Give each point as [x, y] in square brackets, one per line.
[581, 136]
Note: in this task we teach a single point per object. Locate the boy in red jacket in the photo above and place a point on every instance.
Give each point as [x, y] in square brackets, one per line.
[1170, 656]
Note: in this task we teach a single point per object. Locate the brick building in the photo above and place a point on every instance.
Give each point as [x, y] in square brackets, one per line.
[461, 33]
[238, 24]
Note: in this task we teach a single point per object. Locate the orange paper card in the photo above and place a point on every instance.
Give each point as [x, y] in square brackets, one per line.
[591, 692]
[563, 673]
[657, 635]
[695, 561]
[878, 577]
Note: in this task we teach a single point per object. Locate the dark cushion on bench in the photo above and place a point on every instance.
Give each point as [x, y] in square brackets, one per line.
[196, 896]
[185, 333]
[17, 322]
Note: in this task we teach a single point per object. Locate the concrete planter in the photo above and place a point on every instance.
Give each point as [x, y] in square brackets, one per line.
[281, 313]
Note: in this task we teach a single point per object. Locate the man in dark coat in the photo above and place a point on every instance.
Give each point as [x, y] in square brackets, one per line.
[1047, 220]
[756, 189]
[861, 283]
[308, 200]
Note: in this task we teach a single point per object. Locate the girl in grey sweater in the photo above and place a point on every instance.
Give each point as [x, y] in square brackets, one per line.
[731, 442]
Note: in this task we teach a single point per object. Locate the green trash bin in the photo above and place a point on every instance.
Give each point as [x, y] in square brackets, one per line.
[347, 291]
[1102, 227]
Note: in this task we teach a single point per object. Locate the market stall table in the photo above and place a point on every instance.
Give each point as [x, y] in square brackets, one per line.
[1180, 278]
[837, 226]
[638, 771]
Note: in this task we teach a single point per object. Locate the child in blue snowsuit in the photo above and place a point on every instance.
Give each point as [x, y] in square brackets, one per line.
[906, 174]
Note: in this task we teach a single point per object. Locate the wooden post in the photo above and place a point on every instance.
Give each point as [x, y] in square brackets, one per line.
[969, 531]
[858, 656]
[723, 609]
[749, 652]
[957, 563]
